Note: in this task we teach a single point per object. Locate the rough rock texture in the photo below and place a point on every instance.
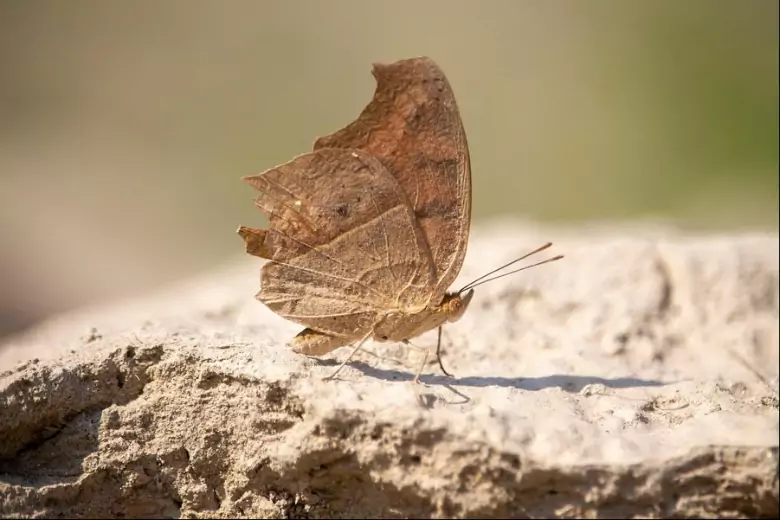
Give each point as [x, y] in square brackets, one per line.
[637, 377]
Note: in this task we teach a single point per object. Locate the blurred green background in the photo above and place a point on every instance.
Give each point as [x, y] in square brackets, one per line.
[125, 126]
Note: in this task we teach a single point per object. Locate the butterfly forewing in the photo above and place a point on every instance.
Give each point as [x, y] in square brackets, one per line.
[412, 125]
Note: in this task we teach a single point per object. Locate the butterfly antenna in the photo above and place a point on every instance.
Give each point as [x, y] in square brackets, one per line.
[553, 259]
[481, 279]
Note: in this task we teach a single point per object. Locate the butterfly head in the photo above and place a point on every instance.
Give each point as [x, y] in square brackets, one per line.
[455, 304]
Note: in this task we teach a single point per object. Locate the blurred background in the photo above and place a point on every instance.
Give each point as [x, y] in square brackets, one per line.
[125, 126]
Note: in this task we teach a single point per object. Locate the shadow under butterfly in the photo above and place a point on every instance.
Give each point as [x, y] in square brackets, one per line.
[368, 231]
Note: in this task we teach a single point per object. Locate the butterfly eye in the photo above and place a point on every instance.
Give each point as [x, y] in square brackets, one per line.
[458, 305]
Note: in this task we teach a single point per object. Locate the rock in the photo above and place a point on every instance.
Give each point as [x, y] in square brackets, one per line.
[637, 377]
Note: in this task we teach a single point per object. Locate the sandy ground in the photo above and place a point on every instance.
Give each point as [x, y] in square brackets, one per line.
[636, 377]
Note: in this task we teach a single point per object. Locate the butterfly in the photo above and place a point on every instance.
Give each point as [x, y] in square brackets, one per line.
[368, 231]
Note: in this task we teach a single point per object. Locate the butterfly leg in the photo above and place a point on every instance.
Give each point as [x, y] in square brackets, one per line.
[416, 379]
[426, 353]
[438, 353]
[354, 351]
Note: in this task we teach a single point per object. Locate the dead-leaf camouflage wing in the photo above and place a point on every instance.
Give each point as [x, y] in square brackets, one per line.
[343, 242]
[412, 125]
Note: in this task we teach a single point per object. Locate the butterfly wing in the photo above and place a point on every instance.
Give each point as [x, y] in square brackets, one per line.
[413, 127]
[343, 242]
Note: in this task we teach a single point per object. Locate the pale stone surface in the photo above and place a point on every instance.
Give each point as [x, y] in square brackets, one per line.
[638, 376]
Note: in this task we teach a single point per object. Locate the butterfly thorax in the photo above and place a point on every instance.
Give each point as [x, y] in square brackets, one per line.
[400, 326]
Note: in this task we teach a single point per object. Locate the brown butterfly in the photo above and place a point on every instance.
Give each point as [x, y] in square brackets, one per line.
[368, 231]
